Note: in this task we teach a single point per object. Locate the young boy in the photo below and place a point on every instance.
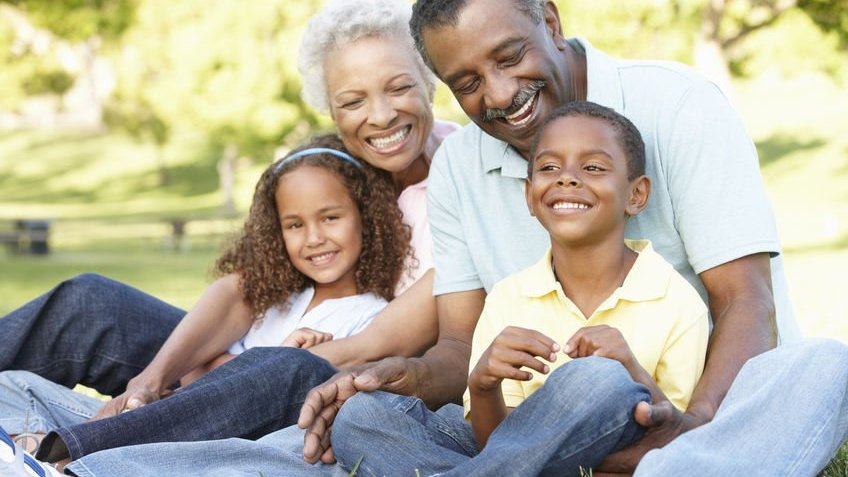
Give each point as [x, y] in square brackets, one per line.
[593, 292]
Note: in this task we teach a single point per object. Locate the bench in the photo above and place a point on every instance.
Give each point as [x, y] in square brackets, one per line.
[29, 236]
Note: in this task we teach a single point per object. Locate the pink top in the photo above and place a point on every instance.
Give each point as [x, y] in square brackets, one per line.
[413, 203]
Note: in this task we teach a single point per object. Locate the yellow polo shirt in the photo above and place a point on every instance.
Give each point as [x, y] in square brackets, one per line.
[660, 315]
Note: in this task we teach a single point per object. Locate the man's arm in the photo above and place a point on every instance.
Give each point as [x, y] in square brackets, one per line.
[437, 378]
[742, 308]
[406, 327]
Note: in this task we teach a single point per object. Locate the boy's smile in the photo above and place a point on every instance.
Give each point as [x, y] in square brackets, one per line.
[579, 188]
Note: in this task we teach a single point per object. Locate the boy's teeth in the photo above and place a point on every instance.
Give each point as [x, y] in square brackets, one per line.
[389, 141]
[570, 205]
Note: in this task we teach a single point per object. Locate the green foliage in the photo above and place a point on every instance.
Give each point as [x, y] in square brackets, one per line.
[829, 15]
[79, 20]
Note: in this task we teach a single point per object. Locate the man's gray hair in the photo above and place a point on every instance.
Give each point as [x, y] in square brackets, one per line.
[436, 14]
[343, 22]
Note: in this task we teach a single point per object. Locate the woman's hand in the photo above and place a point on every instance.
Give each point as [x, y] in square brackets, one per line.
[306, 338]
[511, 350]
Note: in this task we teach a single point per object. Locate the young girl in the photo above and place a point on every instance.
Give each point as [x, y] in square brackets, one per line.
[320, 255]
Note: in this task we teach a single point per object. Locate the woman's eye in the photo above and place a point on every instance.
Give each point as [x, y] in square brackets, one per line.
[352, 104]
[402, 89]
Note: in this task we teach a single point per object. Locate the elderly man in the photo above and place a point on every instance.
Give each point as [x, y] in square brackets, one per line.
[708, 216]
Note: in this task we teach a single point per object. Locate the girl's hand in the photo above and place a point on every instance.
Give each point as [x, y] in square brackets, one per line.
[513, 349]
[601, 340]
[306, 338]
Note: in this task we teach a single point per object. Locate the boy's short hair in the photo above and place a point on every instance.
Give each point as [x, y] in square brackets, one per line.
[626, 132]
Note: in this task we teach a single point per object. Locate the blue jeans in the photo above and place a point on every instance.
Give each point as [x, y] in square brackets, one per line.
[582, 413]
[278, 454]
[786, 414]
[793, 402]
[259, 392]
[88, 330]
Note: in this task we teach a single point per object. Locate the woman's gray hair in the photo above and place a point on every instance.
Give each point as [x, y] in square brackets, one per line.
[343, 22]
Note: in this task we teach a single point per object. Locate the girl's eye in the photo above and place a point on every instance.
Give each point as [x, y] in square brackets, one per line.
[330, 218]
[293, 226]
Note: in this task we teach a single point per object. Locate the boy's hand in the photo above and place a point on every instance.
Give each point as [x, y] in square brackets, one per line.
[513, 349]
[601, 340]
[306, 338]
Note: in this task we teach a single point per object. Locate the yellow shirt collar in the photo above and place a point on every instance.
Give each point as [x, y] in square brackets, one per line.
[647, 280]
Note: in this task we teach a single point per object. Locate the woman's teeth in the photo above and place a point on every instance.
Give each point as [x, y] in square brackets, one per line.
[389, 141]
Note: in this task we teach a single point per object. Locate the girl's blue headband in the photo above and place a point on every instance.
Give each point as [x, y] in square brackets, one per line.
[318, 150]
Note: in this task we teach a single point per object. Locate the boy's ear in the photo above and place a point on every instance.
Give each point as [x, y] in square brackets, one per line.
[527, 185]
[640, 190]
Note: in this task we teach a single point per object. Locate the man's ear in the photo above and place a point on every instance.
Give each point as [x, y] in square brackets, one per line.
[527, 185]
[640, 190]
[554, 25]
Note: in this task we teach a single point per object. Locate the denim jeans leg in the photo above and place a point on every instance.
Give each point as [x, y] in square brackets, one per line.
[583, 413]
[88, 330]
[30, 403]
[398, 435]
[278, 454]
[259, 392]
[786, 414]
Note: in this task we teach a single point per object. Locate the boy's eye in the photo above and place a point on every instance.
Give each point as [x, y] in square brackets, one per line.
[594, 168]
[547, 167]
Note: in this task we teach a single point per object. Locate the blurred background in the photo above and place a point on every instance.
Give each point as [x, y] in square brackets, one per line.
[132, 131]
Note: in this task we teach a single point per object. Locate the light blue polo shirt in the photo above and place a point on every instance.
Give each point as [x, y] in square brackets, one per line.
[708, 204]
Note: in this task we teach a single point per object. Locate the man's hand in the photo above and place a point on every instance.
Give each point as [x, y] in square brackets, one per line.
[664, 422]
[323, 402]
[513, 349]
[602, 341]
[306, 338]
[136, 395]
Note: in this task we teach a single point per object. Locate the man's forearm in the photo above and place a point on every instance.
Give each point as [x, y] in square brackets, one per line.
[742, 308]
[442, 372]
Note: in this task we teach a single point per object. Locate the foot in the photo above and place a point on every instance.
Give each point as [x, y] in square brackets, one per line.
[15, 462]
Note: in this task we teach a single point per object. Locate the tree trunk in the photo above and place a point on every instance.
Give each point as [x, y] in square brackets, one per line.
[227, 179]
[710, 60]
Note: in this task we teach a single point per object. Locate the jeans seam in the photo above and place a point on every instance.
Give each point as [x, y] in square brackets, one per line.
[807, 449]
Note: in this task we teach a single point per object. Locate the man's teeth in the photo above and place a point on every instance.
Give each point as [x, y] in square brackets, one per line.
[322, 257]
[389, 141]
[570, 205]
[523, 110]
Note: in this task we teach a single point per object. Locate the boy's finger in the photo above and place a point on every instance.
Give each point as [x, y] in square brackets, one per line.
[514, 359]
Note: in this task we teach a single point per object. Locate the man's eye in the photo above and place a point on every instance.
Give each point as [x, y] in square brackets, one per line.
[512, 60]
[467, 89]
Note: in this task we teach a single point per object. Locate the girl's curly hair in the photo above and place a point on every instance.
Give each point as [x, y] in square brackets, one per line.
[259, 257]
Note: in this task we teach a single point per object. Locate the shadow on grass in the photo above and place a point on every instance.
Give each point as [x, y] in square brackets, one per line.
[780, 145]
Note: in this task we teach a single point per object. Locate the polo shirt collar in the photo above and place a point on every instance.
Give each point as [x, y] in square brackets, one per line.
[603, 82]
[604, 88]
[648, 278]
[499, 155]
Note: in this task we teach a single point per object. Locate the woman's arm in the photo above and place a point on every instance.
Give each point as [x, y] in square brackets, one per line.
[406, 327]
[218, 319]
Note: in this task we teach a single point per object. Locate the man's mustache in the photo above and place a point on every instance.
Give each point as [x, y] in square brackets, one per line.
[524, 95]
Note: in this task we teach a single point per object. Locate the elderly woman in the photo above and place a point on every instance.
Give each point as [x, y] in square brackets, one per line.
[358, 64]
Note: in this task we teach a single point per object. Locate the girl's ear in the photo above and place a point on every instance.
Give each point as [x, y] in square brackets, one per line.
[640, 190]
